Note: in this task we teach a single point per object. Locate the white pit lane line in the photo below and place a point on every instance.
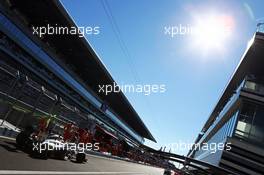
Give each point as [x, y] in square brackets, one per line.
[67, 172]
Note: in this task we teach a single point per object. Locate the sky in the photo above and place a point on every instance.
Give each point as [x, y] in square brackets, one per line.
[137, 46]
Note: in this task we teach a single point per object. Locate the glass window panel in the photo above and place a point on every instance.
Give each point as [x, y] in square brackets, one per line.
[250, 85]
[257, 131]
[248, 109]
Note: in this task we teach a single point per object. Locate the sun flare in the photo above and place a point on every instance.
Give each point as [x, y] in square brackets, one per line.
[211, 32]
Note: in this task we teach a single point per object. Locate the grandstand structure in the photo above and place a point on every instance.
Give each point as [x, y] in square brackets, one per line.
[57, 76]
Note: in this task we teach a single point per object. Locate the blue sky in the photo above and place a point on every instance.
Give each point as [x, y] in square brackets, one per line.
[194, 76]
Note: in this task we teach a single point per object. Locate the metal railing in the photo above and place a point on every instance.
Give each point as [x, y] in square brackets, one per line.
[190, 165]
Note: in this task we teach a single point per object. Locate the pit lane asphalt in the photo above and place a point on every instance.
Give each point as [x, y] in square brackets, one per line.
[14, 161]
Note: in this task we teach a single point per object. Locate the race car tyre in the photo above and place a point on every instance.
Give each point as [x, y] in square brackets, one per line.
[20, 140]
[80, 157]
[40, 152]
[23, 142]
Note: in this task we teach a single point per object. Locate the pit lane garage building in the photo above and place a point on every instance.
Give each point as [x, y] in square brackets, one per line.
[56, 75]
[238, 117]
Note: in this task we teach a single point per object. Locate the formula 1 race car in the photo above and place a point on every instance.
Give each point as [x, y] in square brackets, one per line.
[51, 147]
[55, 147]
